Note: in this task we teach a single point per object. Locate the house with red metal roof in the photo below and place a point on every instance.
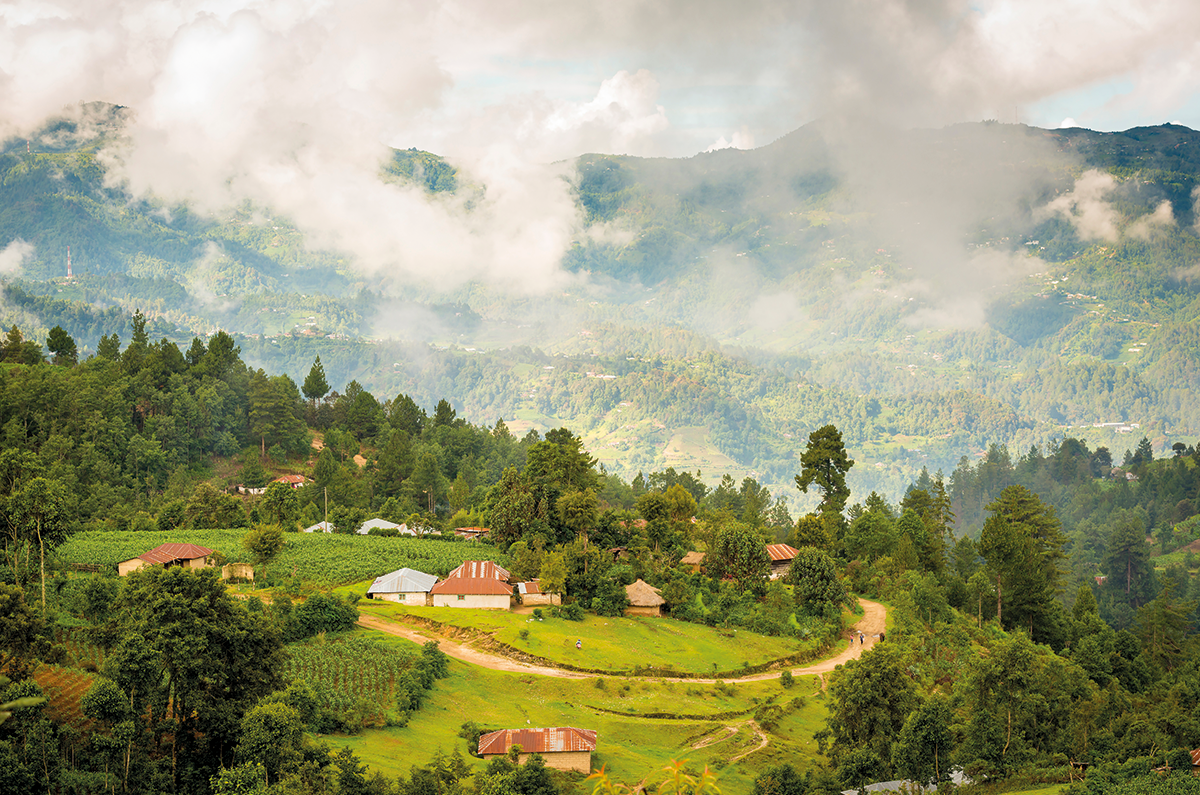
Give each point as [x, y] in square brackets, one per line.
[476, 583]
[563, 748]
[189, 556]
[781, 559]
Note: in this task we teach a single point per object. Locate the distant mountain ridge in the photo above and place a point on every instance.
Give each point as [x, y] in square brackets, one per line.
[931, 290]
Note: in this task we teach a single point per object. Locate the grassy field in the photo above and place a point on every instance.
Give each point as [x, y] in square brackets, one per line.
[630, 745]
[610, 644]
[321, 558]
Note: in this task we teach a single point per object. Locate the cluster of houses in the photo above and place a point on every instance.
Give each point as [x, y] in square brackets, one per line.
[479, 584]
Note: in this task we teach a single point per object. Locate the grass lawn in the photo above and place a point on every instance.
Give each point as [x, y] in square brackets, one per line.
[631, 747]
[611, 644]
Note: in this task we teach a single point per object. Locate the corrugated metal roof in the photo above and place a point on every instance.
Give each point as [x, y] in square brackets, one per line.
[475, 577]
[781, 552]
[169, 553]
[403, 581]
[538, 741]
[530, 587]
[382, 524]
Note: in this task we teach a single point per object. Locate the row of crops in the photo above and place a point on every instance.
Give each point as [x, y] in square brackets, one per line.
[325, 559]
[347, 670]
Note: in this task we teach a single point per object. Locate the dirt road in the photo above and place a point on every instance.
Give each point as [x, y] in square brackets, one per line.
[870, 625]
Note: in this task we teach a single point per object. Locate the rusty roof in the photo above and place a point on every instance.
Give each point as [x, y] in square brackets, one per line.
[475, 577]
[538, 741]
[168, 553]
[780, 552]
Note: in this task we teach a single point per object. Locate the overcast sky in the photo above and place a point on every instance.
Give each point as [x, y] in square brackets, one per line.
[291, 101]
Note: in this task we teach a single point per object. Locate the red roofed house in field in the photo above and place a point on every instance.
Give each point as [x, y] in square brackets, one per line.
[563, 748]
[781, 559]
[189, 556]
[476, 583]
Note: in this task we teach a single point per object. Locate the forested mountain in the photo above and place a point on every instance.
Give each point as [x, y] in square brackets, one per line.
[931, 292]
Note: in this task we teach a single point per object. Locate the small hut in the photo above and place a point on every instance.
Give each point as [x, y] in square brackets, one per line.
[644, 600]
[237, 571]
[693, 561]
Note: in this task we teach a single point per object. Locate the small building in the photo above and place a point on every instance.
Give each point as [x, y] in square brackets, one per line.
[693, 561]
[471, 533]
[406, 586]
[237, 571]
[381, 524]
[563, 748]
[295, 481]
[644, 599]
[781, 559]
[319, 527]
[188, 556]
[532, 594]
[476, 583]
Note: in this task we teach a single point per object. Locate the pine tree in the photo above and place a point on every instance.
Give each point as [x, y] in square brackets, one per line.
[315, 386]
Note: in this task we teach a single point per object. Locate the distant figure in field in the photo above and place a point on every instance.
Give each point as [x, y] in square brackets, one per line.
[579, 644]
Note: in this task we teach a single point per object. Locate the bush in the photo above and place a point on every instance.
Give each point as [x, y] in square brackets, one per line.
[321, 613]
[571, 612]
[786, 679]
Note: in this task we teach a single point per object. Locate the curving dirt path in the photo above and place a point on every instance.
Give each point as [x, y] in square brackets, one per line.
[870, 625]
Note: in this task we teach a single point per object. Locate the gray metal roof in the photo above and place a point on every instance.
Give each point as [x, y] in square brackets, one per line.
[382, 524]
[403, 581]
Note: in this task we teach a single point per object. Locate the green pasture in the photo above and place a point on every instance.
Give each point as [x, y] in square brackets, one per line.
[628, 745]
[611, 644]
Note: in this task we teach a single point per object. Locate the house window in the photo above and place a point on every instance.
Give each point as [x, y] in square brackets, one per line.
[462, 597]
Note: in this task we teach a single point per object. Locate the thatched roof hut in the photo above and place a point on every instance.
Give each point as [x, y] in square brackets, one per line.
[644, 600]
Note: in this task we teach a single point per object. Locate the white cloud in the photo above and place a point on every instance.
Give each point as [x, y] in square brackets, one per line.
[1086, 207]
[1067, 123]
[740, 139]
[1163, 216]
[15, 255]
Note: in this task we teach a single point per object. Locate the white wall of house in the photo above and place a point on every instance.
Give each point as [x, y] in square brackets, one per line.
[418, 599]
[481, 601]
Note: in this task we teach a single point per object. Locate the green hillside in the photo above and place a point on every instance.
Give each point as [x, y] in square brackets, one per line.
[912, 287]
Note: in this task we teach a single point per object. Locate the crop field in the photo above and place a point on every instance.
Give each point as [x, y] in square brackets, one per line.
[81, 652]
[611, 644]
[349, 672]
[321, 558]
[641, 724]
[64, 688]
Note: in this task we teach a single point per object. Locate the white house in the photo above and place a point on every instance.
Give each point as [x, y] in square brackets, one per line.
[476, 583]
[407, 586]
[319, 527]
[381, 524]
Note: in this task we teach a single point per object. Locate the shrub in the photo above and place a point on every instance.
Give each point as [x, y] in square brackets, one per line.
[786, 679]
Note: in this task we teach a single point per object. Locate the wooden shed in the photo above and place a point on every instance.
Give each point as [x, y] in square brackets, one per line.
[644, 599]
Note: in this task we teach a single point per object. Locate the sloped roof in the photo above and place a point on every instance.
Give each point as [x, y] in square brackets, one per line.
[642, 594]
[169, 553]
[403, 581]
[781, 552]
[693, 559]
[475, 577]
[538, 741]
[291, 480]
[531, 587]
[382, 524]
[319, 527]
